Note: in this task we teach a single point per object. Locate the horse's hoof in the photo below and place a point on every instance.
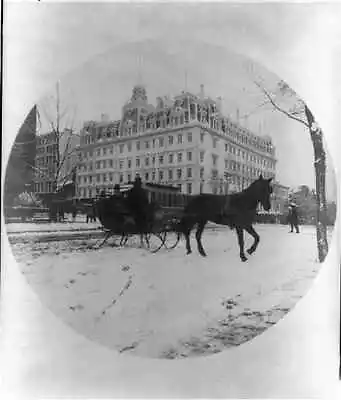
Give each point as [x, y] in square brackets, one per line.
[203, 254]
[243, 258]
[188, 253]
[250, 251]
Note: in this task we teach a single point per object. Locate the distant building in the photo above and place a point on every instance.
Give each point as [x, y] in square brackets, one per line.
[46, 163]
[184, 141]
[50, 151]
[279, 199]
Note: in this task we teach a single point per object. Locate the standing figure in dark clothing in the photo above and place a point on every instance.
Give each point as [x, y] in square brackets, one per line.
[90, 212]
[138, 204]
[117, 190]
[74, 213]
[293, 217]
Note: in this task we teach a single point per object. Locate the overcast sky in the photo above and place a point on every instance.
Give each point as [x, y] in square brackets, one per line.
[202, 39]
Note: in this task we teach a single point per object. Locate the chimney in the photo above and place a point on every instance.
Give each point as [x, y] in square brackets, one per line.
[104, 117]
[202, 91]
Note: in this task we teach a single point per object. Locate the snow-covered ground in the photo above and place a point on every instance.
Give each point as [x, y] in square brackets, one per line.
[79, 224]
[168, 305]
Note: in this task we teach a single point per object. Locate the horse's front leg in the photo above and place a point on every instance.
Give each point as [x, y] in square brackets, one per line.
[141, 240]
[186, 227]
[240, 235]
[187, 234]
[255, 235]
[198, 235]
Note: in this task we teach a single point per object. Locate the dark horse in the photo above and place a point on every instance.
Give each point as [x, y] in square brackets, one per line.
[236, 210]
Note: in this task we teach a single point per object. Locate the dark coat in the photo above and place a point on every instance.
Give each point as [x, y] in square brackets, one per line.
[293, 215]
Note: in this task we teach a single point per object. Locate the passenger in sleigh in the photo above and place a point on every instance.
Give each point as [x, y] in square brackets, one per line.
[138, 204]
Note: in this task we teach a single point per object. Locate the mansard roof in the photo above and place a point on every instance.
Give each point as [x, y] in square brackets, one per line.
[185, 94]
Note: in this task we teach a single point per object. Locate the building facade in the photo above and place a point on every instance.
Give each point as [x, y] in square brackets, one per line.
[55, 161]
[185, 142]
[45, 162]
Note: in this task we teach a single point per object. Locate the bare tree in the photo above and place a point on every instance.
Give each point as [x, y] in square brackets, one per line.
[61, 122]
[285, 101]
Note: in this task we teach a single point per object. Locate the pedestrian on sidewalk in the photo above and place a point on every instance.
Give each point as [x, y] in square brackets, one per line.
[293, 217]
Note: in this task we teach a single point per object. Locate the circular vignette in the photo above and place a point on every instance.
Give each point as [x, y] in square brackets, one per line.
[168, 305]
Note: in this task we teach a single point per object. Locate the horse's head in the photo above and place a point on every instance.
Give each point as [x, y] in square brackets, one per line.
[264, 190]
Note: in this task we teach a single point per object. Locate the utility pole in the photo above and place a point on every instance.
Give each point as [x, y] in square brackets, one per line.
[56, 133]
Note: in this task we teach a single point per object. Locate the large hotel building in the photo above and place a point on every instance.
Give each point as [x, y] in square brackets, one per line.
[184, 141]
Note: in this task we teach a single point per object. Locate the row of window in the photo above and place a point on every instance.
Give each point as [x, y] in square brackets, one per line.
[146, 161]
[249, 157]
[43, 187]
[176, 174]
[45, 161]
[151, 161]
[170, 175]
[140, 145]
[53, 148]
[244, 169]
[236, 133]
[159, 142]
[246, 156]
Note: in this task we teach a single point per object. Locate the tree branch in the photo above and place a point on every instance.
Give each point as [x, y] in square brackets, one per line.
[35, 168]
[277, 107]
[48, 118]
[255, 109]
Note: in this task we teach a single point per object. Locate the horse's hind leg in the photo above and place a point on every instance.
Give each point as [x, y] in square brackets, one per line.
[143, 236]
[198, 235]
[106, 237]
[255, 235]
[123, 240]
[186, 226]
[240, 235]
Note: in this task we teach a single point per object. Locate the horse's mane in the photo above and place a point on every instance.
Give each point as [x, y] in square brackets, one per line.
[245, 191]
[245, 196]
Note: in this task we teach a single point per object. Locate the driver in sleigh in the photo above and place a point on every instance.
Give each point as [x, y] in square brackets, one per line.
[138, 203]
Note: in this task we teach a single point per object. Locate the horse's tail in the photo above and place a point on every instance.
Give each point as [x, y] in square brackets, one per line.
[180, 225]
[185, 223]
